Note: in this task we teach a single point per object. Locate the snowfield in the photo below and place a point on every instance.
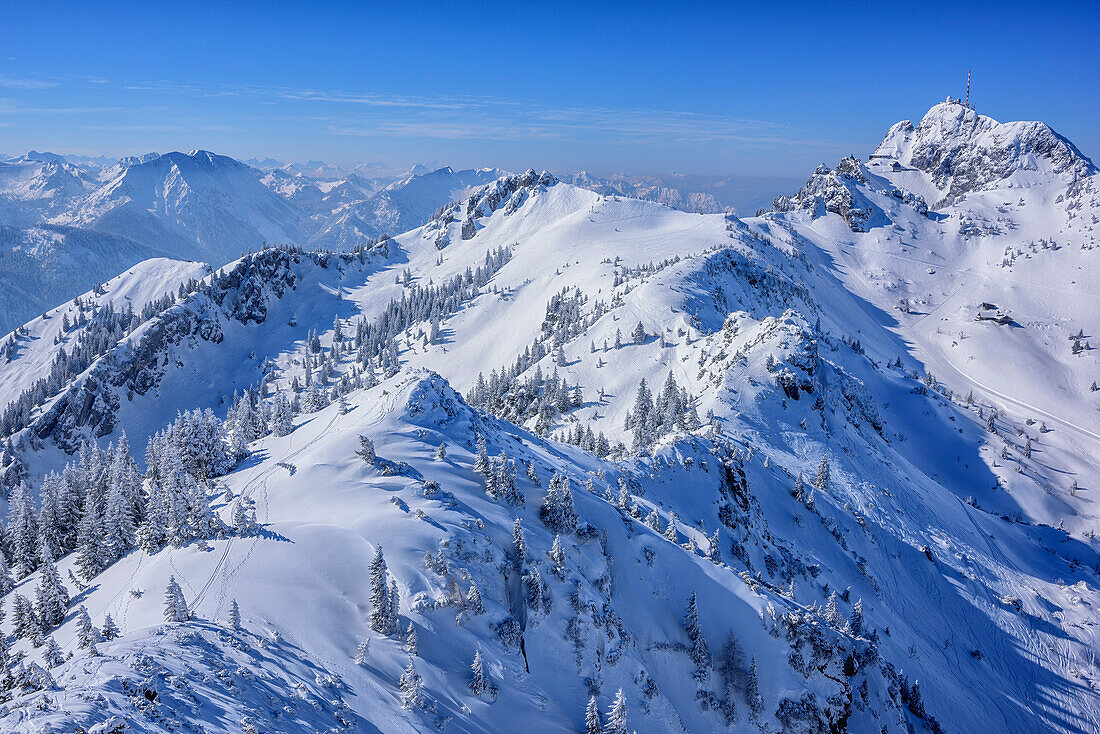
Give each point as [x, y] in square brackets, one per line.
[829, 468]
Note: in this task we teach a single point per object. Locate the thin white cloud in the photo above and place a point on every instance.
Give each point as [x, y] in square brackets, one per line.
[21, 82]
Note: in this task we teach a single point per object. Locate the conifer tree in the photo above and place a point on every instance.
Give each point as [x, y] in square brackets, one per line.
[234, 619]
[51, 655]
[412, 694]
[153, 532]
[362, 651]
[821, 479]
[714, 548]
[800, 489]
[441, 454]
[366, 450]
[558, 511]
[506, 480]
[86, 635]
[382, 617]
[856, 624]
[752, 691]
[50, 528]
[411, 644]
[22, 531]
[617, 722]
[6, 582]
[473, 600]
[700, 651]
[519, 544]
[478, 682]
[557, 556]
[282, 416]
[109, 630]
[24, 621]
[90, 554]
[52, 597]
[592, 723]
[175, 606]
[481, 465]
[670, 529]
[832, 612]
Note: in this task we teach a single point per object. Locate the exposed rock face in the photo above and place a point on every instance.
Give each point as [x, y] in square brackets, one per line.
[963, 151]
[830, 190]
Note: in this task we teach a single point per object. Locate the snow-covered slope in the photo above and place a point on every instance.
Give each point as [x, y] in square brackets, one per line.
[805, 460]
[991, 288]
[35, 346]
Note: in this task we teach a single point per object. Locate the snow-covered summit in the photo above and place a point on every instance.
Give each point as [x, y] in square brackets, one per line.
[964, 151]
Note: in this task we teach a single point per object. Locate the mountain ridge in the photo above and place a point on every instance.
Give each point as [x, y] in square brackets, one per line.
[772, 472]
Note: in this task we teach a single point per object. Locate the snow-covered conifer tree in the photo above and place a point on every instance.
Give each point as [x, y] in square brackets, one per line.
[86, 634]
[478, 682]
[410, 685]
[832, 612]
[234, 620]
[52, 598]
[50, 529]
[558, 511]
[752, 691]
[366, 450]
[24, 621]
[22, 531]
[557, 556]
[473, 600]
[175, 606]
[821, 479]
[700, 651]
[382, 617]
[481, 465]
[51, 654]
[856, 623]
[592, 723]
[617, 721]
[109, 630]
[6, 581]
[362, 651]
[519, 544]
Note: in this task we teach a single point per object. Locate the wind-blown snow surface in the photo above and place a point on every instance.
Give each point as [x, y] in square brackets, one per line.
[975, 566]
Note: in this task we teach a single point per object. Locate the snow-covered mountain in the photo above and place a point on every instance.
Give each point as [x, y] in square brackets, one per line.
[38, 185]
[651, 189]
[210, 207]
[195, 205]
[825, 469]
[351, 213]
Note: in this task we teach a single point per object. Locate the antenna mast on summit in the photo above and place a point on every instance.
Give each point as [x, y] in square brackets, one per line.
[968, 87]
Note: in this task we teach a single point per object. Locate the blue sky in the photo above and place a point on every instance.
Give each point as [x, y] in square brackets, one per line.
[705, 88]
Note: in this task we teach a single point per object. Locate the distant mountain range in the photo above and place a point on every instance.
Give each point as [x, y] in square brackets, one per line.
[71, 221]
